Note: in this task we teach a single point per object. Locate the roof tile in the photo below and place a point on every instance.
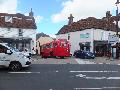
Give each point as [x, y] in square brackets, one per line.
[18, 21]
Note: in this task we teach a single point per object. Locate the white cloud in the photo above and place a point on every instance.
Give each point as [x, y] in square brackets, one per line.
[38, 19]
[8, 6]
[52, 35]
[26, 14]
[83, 9]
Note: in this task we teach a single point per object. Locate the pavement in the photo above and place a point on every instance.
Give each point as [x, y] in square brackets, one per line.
[39, 60]
[105, 60]
[73, 60]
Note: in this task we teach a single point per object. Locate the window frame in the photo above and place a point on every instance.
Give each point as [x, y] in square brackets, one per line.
[20, 32]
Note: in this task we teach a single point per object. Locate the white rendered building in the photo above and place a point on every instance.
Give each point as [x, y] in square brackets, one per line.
[18, 30]
[91, 32]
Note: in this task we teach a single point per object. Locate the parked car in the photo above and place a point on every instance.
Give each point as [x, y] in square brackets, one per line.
[84, 54]
[12, 58]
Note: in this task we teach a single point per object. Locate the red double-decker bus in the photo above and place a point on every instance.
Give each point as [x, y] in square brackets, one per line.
[57, 48]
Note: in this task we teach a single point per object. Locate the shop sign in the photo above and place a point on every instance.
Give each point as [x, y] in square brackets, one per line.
[87, 35]
[112, 39]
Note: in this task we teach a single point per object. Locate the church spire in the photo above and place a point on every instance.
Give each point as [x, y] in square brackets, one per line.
[70, 19]
[31, 14]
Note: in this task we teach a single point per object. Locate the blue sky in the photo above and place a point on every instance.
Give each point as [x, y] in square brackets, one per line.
[44, 8]
[51, 15]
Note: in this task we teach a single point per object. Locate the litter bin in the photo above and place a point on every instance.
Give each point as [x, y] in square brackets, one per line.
[114, 53]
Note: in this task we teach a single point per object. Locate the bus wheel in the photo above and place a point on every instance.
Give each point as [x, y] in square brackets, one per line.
[51, 54]
[62, 57]
[43, 57]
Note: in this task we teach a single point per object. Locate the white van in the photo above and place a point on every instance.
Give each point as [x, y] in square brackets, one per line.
[15, 60]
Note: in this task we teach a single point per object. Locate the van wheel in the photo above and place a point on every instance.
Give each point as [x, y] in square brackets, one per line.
[15, 66]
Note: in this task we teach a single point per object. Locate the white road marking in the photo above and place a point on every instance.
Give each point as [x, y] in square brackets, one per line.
[50, 89]
[80, 61]
[57, 71]
[92, 71]
[24, 72]
[113, 78]
[80, 75]
[97, 78]
[97, 88]
[87, 88]
[100, 63]
[110, 87]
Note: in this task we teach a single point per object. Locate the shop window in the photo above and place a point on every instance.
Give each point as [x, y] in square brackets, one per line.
[87, 45]
[68, 36]
[102, 34]
[81, 46]
[8, 29]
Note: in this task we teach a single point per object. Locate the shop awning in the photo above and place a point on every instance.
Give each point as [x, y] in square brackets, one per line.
[15, 39]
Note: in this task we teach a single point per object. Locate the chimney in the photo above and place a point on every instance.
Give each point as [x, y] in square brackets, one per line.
[108, 15]
[31, 14]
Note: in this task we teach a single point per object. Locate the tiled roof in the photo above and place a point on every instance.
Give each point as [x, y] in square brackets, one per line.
[91, 22]
[18, 21]
[38, 35]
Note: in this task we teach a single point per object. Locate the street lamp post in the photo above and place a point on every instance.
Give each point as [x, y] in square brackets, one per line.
[117, 17]
[117, 53]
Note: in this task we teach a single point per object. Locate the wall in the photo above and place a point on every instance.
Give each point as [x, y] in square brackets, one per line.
[31, 33]
[102, 34]
[43, 40]
[13, 32]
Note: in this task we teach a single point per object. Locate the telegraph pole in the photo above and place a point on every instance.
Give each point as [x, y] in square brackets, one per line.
[117, 17]
[117, 53]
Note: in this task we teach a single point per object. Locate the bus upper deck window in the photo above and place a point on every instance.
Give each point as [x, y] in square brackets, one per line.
[63, 44]
[55, 44]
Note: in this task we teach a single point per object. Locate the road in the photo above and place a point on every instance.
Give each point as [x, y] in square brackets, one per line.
[62, 77]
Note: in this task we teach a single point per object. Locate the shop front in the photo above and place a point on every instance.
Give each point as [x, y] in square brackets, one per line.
[101, 48]
[19, 43]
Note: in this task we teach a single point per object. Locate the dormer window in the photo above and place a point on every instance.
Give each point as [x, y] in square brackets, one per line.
[8, 19]
[20, 32]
